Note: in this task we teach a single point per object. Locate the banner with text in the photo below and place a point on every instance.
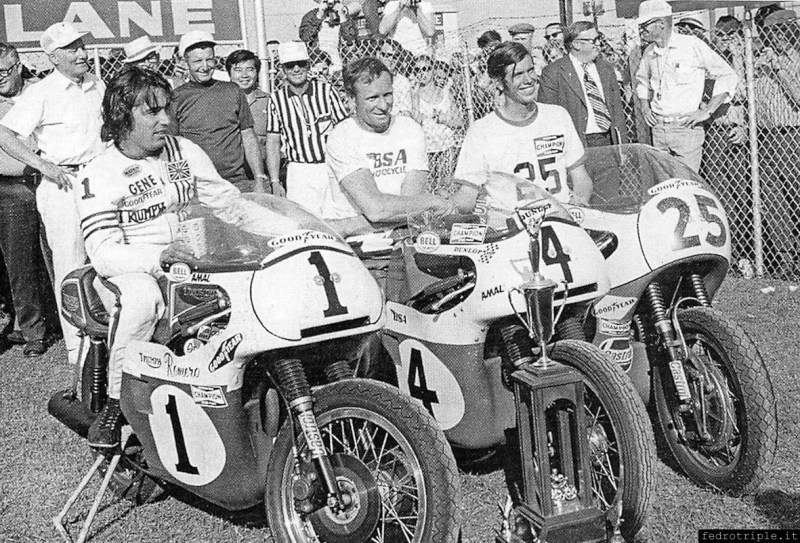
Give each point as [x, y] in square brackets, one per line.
[119, 21]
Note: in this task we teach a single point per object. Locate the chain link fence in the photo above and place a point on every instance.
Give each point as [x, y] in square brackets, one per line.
[446, 89]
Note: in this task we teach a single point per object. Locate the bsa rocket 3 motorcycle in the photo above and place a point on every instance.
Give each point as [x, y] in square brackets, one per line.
[456, 290]
[247, 391]
[667, 242]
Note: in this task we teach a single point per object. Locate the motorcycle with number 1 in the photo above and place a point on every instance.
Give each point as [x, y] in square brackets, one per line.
[248, 391]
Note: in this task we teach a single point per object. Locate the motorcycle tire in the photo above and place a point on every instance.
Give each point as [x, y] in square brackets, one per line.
[620, 436]
[406, 451]
[740, 466]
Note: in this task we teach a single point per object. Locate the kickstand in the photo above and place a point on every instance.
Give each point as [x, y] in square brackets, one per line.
[58, 520]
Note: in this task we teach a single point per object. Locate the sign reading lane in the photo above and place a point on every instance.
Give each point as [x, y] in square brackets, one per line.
[118, 21]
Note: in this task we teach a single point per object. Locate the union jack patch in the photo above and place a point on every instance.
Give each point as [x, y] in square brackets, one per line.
[179, 171]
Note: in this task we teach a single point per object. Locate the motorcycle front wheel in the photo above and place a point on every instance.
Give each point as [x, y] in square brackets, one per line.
[388, 453]
[620, 437]
[731, 385]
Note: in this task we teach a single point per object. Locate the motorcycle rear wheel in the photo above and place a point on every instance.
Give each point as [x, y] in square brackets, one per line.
[620, 435]
[408, 461]
[736, 460]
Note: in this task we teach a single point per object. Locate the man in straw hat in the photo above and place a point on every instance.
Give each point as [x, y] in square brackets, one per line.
[670, 82]
[63, 113]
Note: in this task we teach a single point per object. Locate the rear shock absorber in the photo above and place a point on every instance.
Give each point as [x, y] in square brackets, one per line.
[668, 337]
[700, 291]
[292, 380]
[338, 371]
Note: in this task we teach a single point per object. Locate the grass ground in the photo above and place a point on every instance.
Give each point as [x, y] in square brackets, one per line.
[41, 461]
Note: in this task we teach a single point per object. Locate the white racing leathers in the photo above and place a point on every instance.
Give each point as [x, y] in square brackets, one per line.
[129, 215]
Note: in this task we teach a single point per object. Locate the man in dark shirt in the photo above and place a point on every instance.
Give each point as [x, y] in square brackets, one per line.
[216, 116]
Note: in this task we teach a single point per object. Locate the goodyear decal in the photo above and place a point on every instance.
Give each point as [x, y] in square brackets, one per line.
[225, 352]
[673, 184]
[613, 307]
[301, 236]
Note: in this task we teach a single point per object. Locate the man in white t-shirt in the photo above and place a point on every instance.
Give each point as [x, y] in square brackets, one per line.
[410, 22]
[378, 161]
[522, 137]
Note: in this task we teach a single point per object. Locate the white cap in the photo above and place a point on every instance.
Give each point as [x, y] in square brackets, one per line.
[139, 49]
[653, 9]
[59, 35]
[292, 51]
[193, 37]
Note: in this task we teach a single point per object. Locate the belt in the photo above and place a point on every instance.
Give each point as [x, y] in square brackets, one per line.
[667, 119]
[28, 179]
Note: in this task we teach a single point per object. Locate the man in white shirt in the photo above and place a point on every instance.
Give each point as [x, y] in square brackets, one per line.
[523, 137]
[63, 113]
[410, 22]
[378, 160]
[670, 82]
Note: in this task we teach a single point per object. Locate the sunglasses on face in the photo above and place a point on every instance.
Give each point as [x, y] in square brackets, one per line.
[289, 66]
[9, 71]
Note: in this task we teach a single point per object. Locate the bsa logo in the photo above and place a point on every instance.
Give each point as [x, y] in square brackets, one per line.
[209, 396]
[225, 352]
[179, 272]
[132, 171]
[427, 242]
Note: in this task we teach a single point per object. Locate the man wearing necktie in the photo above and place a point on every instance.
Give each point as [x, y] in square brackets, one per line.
[586, 86]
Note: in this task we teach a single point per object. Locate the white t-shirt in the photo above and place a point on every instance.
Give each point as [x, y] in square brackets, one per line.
[541, 150]
[407, 31]
[389, 156]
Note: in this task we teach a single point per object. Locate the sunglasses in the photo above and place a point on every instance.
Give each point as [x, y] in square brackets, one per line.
[289, 66]
[9, 71]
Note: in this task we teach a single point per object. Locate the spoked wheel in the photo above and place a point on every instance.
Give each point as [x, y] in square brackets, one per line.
[728, 440]
[391, 460]
[619, 433]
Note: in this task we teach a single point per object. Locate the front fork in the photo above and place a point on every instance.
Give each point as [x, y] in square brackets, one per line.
[291, 378]
[673, 342]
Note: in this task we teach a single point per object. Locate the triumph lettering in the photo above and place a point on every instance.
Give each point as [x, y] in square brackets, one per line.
[152, 361]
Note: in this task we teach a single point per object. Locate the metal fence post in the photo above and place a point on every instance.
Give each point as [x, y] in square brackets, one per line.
[96, 55]
[758, 240]
[468, 86]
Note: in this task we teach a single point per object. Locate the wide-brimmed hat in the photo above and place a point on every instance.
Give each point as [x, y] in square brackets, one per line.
[192, 38]
[59, 35]
[139, 49]
[292, 51]
[653, 9]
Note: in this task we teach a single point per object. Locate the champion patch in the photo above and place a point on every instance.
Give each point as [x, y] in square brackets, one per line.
[179, 171]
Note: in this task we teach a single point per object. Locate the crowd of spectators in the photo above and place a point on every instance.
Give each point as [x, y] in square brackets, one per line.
[678, 86]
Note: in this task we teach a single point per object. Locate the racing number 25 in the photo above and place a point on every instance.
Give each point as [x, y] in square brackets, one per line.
[705, 204]
[547, 172]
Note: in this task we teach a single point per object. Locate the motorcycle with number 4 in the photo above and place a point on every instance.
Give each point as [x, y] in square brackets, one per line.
[457, 290]
[248, 391]
[667, 242]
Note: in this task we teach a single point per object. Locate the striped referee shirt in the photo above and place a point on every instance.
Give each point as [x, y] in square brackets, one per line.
[305, 120]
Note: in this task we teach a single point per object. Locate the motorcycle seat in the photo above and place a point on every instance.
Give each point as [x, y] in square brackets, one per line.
[81, 306]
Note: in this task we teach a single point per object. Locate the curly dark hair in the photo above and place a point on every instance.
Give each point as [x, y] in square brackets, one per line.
[365, 70]
[129, 87]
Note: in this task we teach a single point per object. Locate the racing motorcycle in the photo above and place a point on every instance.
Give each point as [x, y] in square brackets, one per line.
[667, 242]
[247, 392]
[453, 337]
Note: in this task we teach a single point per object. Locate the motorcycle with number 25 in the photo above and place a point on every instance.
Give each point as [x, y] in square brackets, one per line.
[248, 391]
[667, 244]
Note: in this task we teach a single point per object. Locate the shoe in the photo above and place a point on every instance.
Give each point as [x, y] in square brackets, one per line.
[15, 337]
[104, 433]
[35, 348]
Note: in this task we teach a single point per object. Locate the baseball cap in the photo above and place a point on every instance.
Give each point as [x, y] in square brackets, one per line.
[653, 9]
[138, 49]
[521, 28]
[693, 22]
[59, 35]
[292, 51]
[192, 38]
[780, 17]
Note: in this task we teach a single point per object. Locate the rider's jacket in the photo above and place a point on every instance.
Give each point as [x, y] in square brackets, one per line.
[129, 208]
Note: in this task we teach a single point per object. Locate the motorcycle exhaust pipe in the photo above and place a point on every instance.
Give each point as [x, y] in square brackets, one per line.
[71, 412]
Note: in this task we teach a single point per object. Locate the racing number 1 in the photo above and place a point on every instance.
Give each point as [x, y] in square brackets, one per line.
[335, 307]
[184, 465]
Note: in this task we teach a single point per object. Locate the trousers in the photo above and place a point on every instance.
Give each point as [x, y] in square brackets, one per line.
[65, 241]
[684, 143]
[306, 185]
[135, 304]
[19, 238]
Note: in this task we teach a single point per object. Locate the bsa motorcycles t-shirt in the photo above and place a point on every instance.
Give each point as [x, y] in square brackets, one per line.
[541, 150]
[389, 156]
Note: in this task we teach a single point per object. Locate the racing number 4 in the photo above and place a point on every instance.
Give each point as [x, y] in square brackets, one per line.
[705, 204]
[418, 384]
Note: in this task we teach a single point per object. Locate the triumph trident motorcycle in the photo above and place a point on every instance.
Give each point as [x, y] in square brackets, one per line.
[667, 242]
[454, 340]
[247, 391]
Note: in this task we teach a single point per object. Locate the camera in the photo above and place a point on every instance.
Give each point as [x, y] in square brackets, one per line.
[413, 4]
[332, 12]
